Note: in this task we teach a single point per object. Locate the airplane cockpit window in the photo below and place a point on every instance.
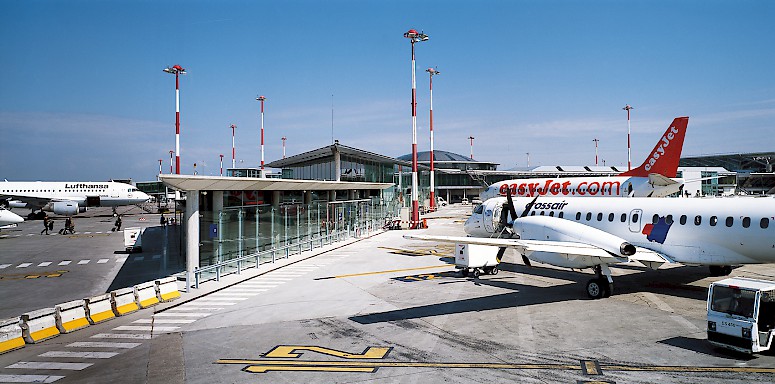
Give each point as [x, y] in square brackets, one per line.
[479, 209]
[764, 223]
[730, 221]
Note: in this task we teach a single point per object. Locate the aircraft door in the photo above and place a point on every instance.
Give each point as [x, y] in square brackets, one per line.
[635, 219]
[491, 218]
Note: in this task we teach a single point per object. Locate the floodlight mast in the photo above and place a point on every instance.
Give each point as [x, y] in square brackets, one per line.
[414, 37]
[222, 165]
[171, 155]
[472, 146]
[262, 99]
[176, 70]
[431, 72]
[596, 141]
[233, 151]
[283, 139]
[627, 108]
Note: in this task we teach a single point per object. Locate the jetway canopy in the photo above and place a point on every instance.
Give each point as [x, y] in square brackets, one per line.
[220, 183]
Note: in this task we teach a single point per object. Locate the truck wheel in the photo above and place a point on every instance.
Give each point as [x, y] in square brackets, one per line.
[476, 273]
[494, 270]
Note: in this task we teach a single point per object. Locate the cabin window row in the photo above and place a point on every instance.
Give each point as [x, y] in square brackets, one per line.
[764, 222]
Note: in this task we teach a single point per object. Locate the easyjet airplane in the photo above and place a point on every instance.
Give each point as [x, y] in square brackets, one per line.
[574, 232]
[68, 198]
[651, 179]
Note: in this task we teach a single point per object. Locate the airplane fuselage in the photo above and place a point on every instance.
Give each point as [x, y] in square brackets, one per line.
[713, 231]
[612, 186]
[101, 193]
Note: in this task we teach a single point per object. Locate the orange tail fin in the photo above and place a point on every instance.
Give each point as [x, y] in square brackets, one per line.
[663, 159]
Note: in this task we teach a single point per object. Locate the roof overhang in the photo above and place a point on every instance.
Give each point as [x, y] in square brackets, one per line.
[218, 183]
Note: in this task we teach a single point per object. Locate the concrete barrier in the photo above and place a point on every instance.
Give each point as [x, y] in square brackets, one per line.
[39, 325]
[99, 308]
[71, 316]
[167, 289]
[124, 301]
[10, 335]
[146, 294]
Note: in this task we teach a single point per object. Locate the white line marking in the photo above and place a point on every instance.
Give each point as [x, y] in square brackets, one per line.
[187, 308]
[184, 314]
[245, 290]
[102, 344]
[29, 378]
[85, 355]
[213, 303]
[23, 265]
[164, 321]
[44, 264]
[275, 279]
[228, 295]
[83, 262]
[102, 261]
[139, 336]
[121, 260]
[48, 365]
[258, 285]
[87, 233]
[657, 301]
[4, 266]
[686, 323]
[66, 262]
[220, 299]
[144, 328]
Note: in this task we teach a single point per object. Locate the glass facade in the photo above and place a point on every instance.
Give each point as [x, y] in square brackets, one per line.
[352, 169]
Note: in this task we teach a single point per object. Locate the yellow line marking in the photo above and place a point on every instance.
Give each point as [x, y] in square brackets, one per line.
[290, 352]
[575, 367]
[267, 368]
[392, 271]
[591, 368]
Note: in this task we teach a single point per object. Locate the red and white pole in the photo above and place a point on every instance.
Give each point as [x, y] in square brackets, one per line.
[414, 37]
[627, 107]
[233, 151]
[284, 146]
[171, 153]
[432, 72]
[177, 70]
[262, 99]
[472, 146]
[595, 140]
[222, 165]
[160, 161]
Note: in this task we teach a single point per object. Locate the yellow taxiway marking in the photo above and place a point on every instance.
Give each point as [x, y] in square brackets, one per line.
[291, 352]
[288, 365]
[392, 271]
[19, 276]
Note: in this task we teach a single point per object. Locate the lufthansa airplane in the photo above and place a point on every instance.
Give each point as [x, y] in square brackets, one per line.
[68, 198]
[653, 178]
[577, 233]
[9, 219]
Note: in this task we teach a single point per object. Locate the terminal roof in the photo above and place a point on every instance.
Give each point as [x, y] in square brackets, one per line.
[220, 183]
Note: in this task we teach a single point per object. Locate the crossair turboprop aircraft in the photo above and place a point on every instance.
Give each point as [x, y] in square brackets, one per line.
[577, 233]
[651, 179]
[9, 219]
[68, 198]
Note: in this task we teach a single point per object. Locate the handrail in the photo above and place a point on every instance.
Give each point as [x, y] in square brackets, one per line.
[253, 260]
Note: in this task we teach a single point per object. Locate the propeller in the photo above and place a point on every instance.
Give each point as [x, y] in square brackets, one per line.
[513, 212]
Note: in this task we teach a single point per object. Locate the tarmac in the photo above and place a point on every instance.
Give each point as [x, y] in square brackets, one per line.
[379, 309]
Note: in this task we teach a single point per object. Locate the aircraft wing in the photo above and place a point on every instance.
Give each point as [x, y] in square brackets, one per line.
[35, 202]
[645, 256]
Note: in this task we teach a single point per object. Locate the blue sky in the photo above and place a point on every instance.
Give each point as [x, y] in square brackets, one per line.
[83, 95]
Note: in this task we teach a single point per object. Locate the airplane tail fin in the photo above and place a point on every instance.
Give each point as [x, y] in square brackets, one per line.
[663, 159]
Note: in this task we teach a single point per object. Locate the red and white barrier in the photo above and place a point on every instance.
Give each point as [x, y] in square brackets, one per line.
[10, 335]
[146, 294]
[167, 288]
[124, 301]
[39, 325]
[99, 308]
[71, 316]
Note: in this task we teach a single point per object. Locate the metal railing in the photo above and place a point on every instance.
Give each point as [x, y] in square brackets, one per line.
[254, 260]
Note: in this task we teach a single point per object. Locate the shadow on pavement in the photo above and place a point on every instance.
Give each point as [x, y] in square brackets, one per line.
[161, 257]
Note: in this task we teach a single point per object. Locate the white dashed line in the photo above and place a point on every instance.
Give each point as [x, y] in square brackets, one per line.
[84, 355]
[164, 321]
[23, 265]
[50, 365]
[83, 262]
[29, 378]
[139, 336]
[44, 264]
[144, 328]
[4, 266]
[187, 314]
[101, 344]
[102, 261]
[66, 262]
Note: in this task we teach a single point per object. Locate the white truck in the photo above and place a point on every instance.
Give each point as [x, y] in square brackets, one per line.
[476, 259]
[133, 240]
[741, 314]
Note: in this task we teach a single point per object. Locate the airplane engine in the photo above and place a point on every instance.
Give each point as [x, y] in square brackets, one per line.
[17, 204]
[64, 208]
[556, 229]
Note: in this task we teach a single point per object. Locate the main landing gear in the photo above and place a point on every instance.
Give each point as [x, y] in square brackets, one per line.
[720, 270]
[602, 285]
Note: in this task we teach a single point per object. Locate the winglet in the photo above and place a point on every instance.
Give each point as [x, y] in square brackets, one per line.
[663, 159]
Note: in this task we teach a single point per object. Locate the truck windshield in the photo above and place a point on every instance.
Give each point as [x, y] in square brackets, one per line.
[734, 301]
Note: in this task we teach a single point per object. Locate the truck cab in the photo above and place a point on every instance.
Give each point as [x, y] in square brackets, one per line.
[741, 314]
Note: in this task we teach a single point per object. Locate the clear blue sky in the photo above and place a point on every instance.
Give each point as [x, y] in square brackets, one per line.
[83, 95]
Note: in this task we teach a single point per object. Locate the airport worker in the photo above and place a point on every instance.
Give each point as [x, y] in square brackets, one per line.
[118, 223]
[45, 225]
[162, 220]
[69, 226]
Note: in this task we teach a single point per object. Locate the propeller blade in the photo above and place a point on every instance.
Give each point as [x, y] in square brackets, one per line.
[510, 203]
[499, 256]
[529, 207]
[526, 261]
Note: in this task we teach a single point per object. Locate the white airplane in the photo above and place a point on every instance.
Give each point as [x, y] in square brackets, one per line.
[68, 198]
[650, 179]
[9, 219]
[577, 233]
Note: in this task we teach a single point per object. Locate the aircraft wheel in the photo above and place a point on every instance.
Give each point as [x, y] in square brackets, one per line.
[608, 288]
[494, 270]
[464, 272]
[476, 273]
[720, 270]
[595, 289]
